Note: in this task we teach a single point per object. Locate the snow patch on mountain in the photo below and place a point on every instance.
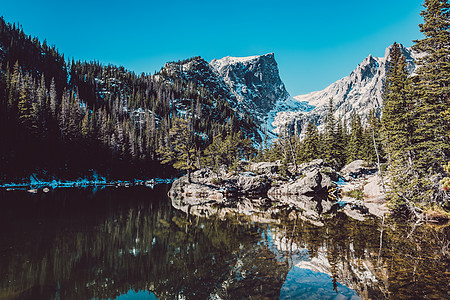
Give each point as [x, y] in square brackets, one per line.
[198, 71]
[284, 113]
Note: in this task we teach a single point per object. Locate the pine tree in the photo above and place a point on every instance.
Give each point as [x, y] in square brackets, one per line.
[309, 148]
[415, 128]
[227, 150]
[341, 142]
[371, 138]
[24, 106]
[181, 148]
[53, 100]
[329, 141]
[397, 127]
[85, 126]
[356, 143]
[432, 143]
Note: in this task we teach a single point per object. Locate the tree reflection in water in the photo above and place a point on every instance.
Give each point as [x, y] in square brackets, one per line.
[75, 244]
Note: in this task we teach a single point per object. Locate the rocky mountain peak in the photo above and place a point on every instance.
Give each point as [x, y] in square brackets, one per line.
[360, 92]
[253, 80]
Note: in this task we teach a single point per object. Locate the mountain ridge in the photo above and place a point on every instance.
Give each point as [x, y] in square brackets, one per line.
[360, 91]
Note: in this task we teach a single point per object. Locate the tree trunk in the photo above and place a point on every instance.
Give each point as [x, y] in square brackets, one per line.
[293, 154]
[378, 161]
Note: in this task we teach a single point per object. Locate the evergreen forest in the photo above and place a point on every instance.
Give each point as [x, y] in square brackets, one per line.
[68, 119]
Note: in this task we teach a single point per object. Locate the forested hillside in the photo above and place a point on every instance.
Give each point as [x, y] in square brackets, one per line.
[70, 119]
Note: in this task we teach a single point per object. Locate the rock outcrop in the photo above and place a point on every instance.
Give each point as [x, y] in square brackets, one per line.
[216, 186]
[314, 190]
[357, 169]
[312, 182]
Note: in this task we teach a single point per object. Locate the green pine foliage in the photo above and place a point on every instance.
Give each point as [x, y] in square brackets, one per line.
[397, 114]
[310, 146]
[180, 150]
[356, 140]
[397, 127]
[227, 149]
[337, 144]
[372, 138]
[330, 135]
[415, 122]
[432, 84]
[341, 142]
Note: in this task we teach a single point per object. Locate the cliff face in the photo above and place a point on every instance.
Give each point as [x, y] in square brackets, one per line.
[197, 71]
[254, 81]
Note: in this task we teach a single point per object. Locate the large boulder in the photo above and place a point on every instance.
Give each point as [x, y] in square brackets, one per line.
[312, 182]
[199, 187]
[249, 184]
[208, 184]
[266, 168]
[357, 169]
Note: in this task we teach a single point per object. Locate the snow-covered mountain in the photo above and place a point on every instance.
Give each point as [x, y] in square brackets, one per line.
[359, 92]
[255, 82]
[252, 86]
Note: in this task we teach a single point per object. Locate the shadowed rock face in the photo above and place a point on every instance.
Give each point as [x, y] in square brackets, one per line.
[254, 81]
[313, 182]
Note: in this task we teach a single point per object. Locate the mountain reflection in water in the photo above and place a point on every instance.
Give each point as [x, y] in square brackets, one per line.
[131, 242]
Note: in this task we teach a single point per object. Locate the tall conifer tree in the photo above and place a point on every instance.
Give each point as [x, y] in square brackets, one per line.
[432, 143]
[397, 117]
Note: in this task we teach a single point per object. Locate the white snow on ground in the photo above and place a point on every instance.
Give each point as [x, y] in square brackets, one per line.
[34, 184]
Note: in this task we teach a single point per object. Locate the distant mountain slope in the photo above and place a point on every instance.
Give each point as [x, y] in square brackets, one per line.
[251, 86]
[359, 92]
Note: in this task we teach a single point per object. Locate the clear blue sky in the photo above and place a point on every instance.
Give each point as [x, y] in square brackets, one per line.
[315, 42]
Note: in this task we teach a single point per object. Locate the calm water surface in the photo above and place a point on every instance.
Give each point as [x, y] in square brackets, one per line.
[131, 243]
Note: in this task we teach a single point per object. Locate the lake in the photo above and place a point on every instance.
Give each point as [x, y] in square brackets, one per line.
[132, 243]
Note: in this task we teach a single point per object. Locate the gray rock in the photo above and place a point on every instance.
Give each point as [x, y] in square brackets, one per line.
[207, 184]
[312, 182]
[361, 92]
[254, 81]
[357, 169]
[253, 185]
[266, 168]
[314, 164]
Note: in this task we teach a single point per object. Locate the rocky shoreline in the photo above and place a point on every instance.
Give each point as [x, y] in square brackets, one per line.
[313, 191]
